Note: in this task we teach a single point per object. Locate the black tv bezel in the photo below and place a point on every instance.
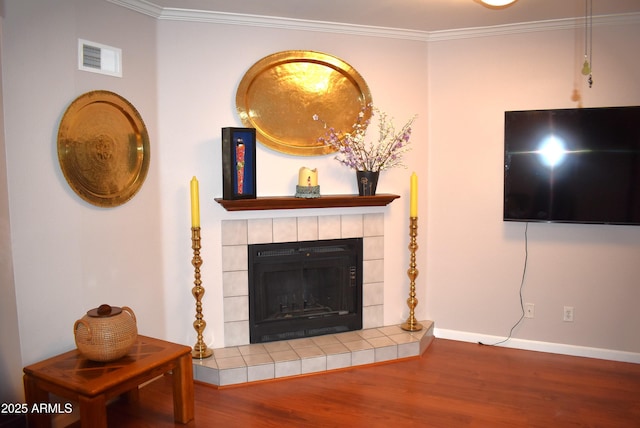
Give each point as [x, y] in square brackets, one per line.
[506, 153]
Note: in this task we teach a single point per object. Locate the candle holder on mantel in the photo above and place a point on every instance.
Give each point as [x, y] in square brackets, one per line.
[412, 324]
[200, 349]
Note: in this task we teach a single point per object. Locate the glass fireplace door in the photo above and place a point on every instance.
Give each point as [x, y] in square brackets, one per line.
[304, 291]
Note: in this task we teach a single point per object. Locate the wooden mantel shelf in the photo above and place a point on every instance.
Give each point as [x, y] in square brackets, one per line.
[293, 203]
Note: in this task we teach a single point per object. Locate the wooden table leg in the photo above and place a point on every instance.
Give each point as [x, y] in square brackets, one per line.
[93, 412]
[183, 394]
[35, 395]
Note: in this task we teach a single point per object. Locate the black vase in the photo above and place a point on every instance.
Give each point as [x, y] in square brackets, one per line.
[367, 182]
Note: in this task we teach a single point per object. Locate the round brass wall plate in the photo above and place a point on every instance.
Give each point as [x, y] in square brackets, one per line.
[279, 95]
[103, 148]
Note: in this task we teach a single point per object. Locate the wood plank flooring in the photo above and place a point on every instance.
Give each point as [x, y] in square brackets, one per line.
[454, 384]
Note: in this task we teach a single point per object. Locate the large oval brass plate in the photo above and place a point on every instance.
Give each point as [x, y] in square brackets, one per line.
[103, 148]
[279, 95]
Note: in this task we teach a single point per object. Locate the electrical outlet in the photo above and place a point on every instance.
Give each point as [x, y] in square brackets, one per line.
[529, 310]
[568, 314]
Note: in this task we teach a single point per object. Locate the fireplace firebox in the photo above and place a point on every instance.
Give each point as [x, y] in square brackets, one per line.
[304, 289]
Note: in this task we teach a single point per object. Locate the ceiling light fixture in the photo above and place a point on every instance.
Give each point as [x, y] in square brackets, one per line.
[497, 2]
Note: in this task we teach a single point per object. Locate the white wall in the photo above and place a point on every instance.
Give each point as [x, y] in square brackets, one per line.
[10, 357]
[200, 67]
[475, 259]
[69, 256]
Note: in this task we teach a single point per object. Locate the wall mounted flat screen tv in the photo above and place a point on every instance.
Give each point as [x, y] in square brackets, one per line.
[573, 165]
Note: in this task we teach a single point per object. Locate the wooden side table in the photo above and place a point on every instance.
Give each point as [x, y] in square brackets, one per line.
[92, 384]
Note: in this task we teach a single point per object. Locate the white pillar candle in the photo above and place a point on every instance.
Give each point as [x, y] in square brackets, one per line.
[307, 177]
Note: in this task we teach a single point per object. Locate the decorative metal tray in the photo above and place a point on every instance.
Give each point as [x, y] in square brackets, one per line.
[279, 95]
[103, 148]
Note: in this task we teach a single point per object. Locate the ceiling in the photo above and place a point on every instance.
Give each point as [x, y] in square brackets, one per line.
[420, 15]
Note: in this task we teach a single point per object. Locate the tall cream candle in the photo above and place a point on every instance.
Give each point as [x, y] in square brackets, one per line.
[413, 210]
[195, 203]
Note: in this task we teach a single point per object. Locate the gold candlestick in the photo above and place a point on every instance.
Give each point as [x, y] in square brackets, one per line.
[412, 324]
[200, 348]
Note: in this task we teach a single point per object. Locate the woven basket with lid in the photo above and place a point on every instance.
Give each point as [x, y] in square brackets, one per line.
[106, 333]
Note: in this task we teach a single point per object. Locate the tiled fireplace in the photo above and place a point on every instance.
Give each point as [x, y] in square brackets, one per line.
[241, 362]
[238, 234]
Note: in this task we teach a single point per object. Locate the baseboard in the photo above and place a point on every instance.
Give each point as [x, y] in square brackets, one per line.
[533, 345]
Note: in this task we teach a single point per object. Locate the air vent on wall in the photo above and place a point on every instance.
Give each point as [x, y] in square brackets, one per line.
[99, 58]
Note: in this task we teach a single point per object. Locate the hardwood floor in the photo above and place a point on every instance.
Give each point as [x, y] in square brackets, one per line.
[454, 384]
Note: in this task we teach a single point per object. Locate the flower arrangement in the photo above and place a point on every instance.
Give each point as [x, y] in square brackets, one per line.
[353, 150]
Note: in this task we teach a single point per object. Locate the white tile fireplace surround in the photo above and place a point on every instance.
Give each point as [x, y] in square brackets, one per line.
[240, 362]
[238, 234]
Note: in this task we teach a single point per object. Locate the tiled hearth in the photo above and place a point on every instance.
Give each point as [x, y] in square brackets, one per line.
[241, 362]
[268, 361]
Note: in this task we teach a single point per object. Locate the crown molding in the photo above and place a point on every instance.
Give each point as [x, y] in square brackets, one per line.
[141, 6]
[289, 24]
[176, 14]
[534, 26]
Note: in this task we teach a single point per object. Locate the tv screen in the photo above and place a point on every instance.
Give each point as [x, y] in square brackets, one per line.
[573, 165]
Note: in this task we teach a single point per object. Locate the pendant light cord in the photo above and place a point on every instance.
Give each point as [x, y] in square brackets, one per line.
[588, 36]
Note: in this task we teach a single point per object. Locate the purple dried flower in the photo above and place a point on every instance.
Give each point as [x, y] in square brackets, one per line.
[355, 152]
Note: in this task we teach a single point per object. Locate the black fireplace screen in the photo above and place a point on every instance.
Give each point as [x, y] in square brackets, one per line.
[303, 289]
